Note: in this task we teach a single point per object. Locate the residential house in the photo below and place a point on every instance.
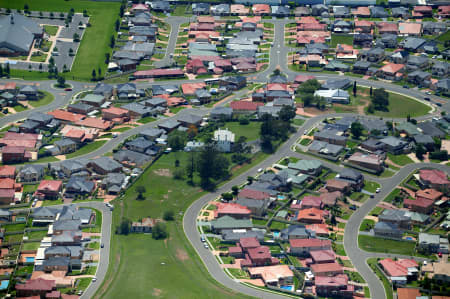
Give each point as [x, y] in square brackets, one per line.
[113, 183]
[224, 140]
[391, 71]
[324, 148]
[327, 286]
[48, 189]
[331, 136]
[79, 186]
[420, 78]
[398, 272]
[31, 173]
[296, 231]
[227, 222]
[433, 178]
[372, 162]
[410, 29]
[276, 275]
[327, 269]
[440, 68]
[387, 40]
[420, 205]
[303, 247]
[311, 215]
[363, 40]
[310, 167]
[378, 12]
[334, 96]
[35, 287]
[430, 244]
[396, 217]
[104, 165]
[224, 113]
[144, 226]
[417, 62]
[387, 230]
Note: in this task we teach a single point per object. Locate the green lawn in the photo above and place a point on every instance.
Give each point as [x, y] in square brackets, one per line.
[47, 99]
[18, 227]
[366, 225]
[94, 245]
[251, 131]
[31, 246]
[355, 276]
[122, 129]
[305, 141]
[339, 249]
[19, 108]
[402, 106]
[392, 195]
[298, 121]
[98, 223]
[36, 235]
[374, 244]
[90, 147]
[341, 39]
[149, 267]
[376, 211]
[371, 186]
[146, 120]
[51, 30]
[400, 160]
[372, 262]
[95, 42]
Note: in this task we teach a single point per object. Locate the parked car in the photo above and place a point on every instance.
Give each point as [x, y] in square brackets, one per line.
[68, 89]
[103, 245]
[406, 86]
[206, 246]
[427, 99]
[94, 279]
[202, 239]
[353, 207]
[378, 190]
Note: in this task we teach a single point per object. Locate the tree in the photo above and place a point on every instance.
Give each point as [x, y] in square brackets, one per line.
[7, 70]
[309, 87]
[243, 120]
[178, 174]
[211, 165]
[99, 72]
[169, 215]
[308, 99]
[122, 10]
[389, 125]
[287, 113]
[235, 190]
[29, 67]
[177, 140]
[380, 99]
[26, 7]
[227, 196]
[107, 55]
[117, 25]
[356, 129]
[94, 74]
[124, 228]
[85, 14]
[112, 42]
[420, 151]
[371, 90]
[159, 231]
[177, 163]
[70, 52]
[61, 81]
[354, 88]
[333, 220]
[190, 168]
[76, 37]
[140, 190]
[192, 132]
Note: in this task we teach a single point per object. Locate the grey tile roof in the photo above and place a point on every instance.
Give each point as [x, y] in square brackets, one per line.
[107, 164]
[79, 185]
[17, 32]
[132, 157]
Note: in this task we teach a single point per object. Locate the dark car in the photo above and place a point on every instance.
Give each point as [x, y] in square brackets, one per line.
[406, 86]
[103, 245]
[353, 208]
[68, 89]
[427, 99]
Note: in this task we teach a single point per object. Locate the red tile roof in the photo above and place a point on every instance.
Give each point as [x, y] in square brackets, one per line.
[334, 281]
[419, 202]
[254, 194]
[364, 23]
[407, 293]
[261, 252]
[159, 72]
[334, 267]
[231, 208]
[94, 122]
[250, 242]
[115, 110]
[7, 171]
[434, 176]
[21, 136]
[261, 8]
[50, 185]
[318, 228]
[7, 183]
[392, 268]
[65, 115]
[392, 68]
[38, 284]
[75, 133]
[311, 201]
[303, 243]
[387, 27]
[410, 28]
[430, 194]
[9, 149]
[408, 263]
[190, 88]
[311, 214]
[323, 255]
[308, 20]
[245, 105]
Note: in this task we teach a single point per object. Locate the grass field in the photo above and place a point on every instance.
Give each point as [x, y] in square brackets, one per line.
[400, 160]
[374, 244]
[341, 39]
[366, 225]
[168, 268]
[402, 106]
[95, 42]
[251, 131]
[87, 149]
[47, 99]
[371, 186]
[51, 30]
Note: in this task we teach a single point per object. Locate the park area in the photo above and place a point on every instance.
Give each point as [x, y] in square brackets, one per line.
[95, 42]
[151, 268]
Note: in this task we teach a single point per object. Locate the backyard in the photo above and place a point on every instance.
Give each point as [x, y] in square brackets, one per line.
[251, 131]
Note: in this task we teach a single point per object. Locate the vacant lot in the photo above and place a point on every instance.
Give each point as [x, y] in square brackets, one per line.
[375, 244]
[251, 131]
[402, 106]
[94, 45]
[151, 268]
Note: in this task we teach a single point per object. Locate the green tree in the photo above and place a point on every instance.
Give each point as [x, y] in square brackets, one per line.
[243, 120]
[356, 129]
[112, 42]
[7, 70]
[235, 190]
[159, 231]
[380, 99]
[140, 191]
[117, 24]
[76, 37]
[124, 227]
[107, 56]
[1, 71]
[61, 81]
[177, 140]
[287, 113]
[169, 215]
[94, 75]
[227, 196]
[420, 151]
[190, 168]
[308, 87]
[354, 89]
[211, 165]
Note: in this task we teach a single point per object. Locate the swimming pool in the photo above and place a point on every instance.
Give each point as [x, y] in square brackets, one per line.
[4, 284]
[29, 259]
[281, 197]
[288, 288]
[276, 234]
[409, 238]
[20, 219]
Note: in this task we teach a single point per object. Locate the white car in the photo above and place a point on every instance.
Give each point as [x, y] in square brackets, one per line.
[94, 279]
[206, 246]
[378, 190]
[260, 170]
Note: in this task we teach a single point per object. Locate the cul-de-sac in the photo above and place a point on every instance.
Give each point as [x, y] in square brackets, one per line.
[225, 149]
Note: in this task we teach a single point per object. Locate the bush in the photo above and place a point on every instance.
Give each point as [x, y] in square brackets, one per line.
[159, 231]
[243, 120]
[169, 215]
[178, 174]
[124, 228]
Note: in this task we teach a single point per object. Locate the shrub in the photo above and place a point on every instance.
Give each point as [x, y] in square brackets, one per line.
[169, 215]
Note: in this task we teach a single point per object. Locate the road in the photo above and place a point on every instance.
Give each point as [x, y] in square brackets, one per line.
[278, 59]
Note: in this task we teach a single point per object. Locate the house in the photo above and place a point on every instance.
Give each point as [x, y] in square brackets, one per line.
[224, 140]
[115, 114]
[70, 167]
[361, 11]
[331, 136]
[353, 177]
[224, 113]
[95, 100]
[440, 68]
[253, 194]
[336, 84]
[413, 43]
[398, 272]
[15, 154]
[227, 222]
[244, 107]
[384, 27]
[276, 275]
[261, 9]
[200, 8]
[378, 12]
[65, 116]
[387, 230]
[364, 26]
[341, 12]
[324, 148]
[420, 78]
[399, 57]
[335, 65]
[256, 206]
[400, 12]
[391, 71]
[433, 28]
[338, 185]
[395, 145]
[327, 269]
[296, 231]
[420, 205]
[79, 186]
[443, 86]
[417, 62]
[18, 34]
[408, 293]
[169, 125]
[31, 173]
[48, 189]
[334, 95]
[387, 40]
[303, 247]
[311, 215]
[220, 10]
[433, 178]
[113, 183]
[188, 120]
[396, 217]
[80, 108]
[162, 6]
[410, 29]
[234, 210]
[7, 171]
[151, 133]
[361, 67]
[421, 11]
[327, 286]
[367, 161]
[426, 140]
[310, 167]
[35, 287]
[323, 256]
[430, 244]
[144, 226]
[105, 165]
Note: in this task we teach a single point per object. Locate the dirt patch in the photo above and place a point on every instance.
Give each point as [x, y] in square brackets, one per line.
[163, 172]
[156, 292]
[182, 255]
[166, 196]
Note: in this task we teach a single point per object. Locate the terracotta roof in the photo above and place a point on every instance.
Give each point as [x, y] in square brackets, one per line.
[392, 268]
[311, 214]
[205, 19]
[302, 243]
[7, 183]
[334, 281]
[115, 110]
[190, 88]
[392, 68]
[66, 116]
[312, 201]
[387, 27]
[9, 149]
[434, 176]
[261, 252]
[419, 202]
[319, 228]
[38, 284]
[317, 269]
[261, 8]
[308, 20]
[407, 293]
[74, 133]
[50, 185]
[245, 105]
[254, 194]
[94, 122]
[231, 208]
[362, 11]
[277, 86]
[271, 273]
[364, 23]
[7, 170]
[339, 184]
[21, 136]
[322, 255]
[159, 72]
[409, 28]
[430, 194]
[251, 242]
